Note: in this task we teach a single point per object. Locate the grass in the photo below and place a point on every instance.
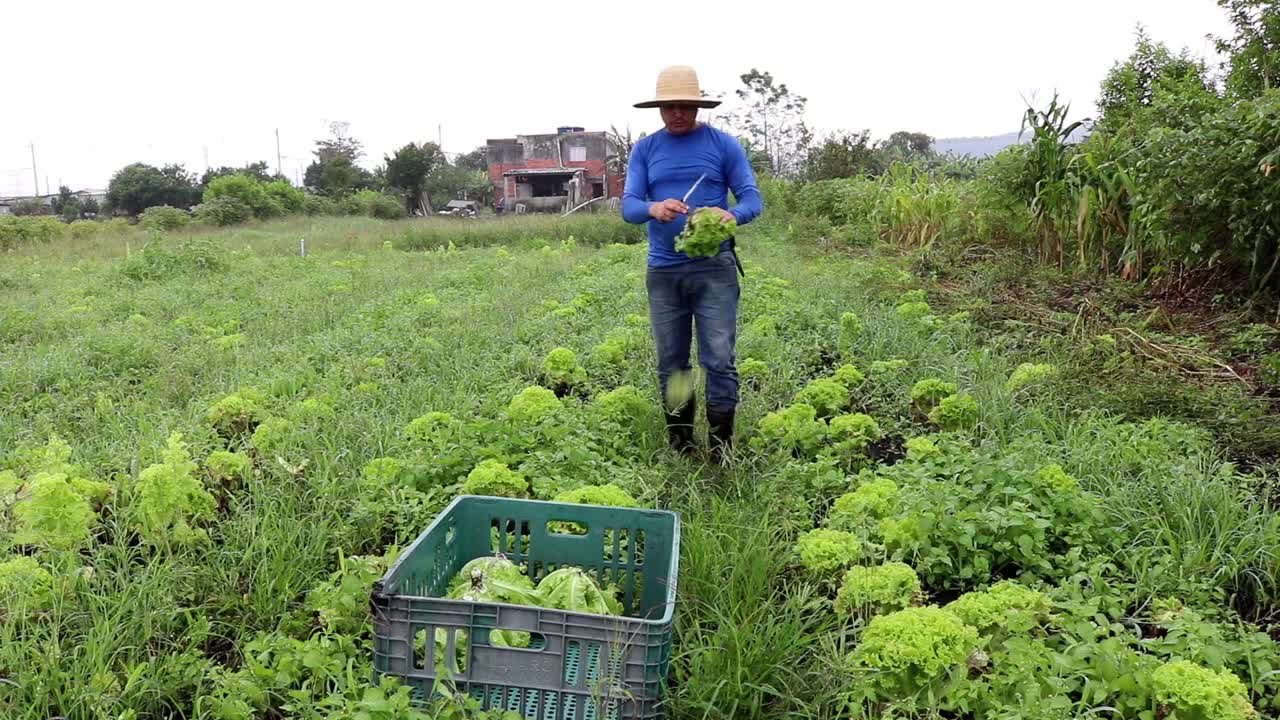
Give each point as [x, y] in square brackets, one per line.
[113, 352]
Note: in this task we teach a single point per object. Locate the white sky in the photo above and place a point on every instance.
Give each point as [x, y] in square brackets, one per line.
[97, 85]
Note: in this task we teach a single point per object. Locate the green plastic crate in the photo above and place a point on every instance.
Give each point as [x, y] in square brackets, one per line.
[579, 666]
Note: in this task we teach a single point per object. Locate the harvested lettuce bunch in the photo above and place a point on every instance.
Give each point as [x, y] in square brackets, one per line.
[704, 233]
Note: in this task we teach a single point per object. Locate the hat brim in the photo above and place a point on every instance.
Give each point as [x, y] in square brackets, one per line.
[699, 102]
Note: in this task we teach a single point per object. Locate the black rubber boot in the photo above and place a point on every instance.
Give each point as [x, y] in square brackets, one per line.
[720, 436]
[680, 428]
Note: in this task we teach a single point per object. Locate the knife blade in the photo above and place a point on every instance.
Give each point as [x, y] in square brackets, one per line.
[697, 182]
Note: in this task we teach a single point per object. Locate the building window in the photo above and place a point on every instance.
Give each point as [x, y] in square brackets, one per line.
[577, 153]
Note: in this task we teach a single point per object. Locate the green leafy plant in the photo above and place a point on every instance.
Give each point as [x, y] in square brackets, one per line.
[825, 395]
[852, 434]
[927, 393]
[1030, 374]
[493, 477]
[704, 232]
[794, 429]
[956, 413]
[170, 498]
[868, 591]
[873, 499]
[533, 404]
[561, 369]
[825, 551]
[1191, 691]
[913, 651]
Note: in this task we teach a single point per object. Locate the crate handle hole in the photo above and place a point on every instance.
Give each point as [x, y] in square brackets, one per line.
[566, 527]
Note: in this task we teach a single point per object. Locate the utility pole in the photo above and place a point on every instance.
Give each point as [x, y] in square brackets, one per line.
[278, 163]
[440, 136]
[34, 177]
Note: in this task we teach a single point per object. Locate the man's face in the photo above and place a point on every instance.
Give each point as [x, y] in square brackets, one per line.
[679, 118]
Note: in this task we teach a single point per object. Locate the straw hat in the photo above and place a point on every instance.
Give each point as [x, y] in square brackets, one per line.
[678, 84]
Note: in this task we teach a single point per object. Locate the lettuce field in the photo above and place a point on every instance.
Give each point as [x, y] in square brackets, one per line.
[211, 447]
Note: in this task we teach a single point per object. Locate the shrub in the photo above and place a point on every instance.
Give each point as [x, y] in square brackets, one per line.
[319, 205]
[163, 218]
[375, 205]
[18, 231]
[247, 190]
[83, 229]
[285, 195]
[225, 210]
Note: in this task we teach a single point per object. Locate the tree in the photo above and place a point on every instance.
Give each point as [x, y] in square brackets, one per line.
[64, 195]
[910, 144]
[258, 171]
[449, 182]
[620, 145]
[408, 169]
[842, 155]
[772, 118]
[1154, 87]
[1253, 55]
[477, 159]
[136, 187]
[334, 171]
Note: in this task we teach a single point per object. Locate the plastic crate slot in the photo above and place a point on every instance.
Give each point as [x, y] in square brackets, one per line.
[637, 580]
[455, 654]
[571, 707]
[495, 698]
[531, 698]
[526, 539]
[450, 535]
[638, 551]
[513, 699]
[572, 662]
[615, 545]
[566, 527]
[550, 701]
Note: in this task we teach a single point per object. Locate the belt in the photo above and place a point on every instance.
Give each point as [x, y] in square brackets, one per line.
[733, 248]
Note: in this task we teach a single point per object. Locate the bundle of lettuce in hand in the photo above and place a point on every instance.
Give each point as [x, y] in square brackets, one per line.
[704, 232]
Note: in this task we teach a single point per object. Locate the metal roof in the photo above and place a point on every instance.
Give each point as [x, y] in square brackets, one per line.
[461, 203]
[544, 171]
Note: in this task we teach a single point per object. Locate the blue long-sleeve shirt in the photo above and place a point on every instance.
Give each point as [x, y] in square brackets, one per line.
[664, 166]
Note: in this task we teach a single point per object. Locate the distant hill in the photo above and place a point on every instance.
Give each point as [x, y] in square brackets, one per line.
[976, 146]
[986, 146]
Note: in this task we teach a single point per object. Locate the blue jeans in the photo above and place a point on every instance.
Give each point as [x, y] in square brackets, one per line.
[701, 295]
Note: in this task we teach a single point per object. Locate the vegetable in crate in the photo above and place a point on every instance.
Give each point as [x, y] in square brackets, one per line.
[572, 589]
[494, 578]
[706, 229]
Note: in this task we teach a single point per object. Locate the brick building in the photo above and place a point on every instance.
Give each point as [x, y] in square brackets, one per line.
[552, 172]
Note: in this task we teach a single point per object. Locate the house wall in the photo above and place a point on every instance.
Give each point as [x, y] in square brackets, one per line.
[548, 151]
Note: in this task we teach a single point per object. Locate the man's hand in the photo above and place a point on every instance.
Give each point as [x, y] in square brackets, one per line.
[667, 210]
[725, 215]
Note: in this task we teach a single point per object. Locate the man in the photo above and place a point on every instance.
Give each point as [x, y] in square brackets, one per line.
[688, 294]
